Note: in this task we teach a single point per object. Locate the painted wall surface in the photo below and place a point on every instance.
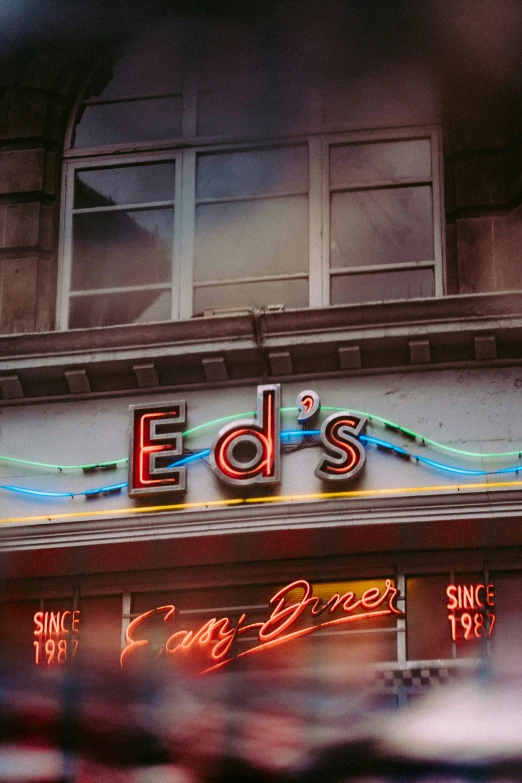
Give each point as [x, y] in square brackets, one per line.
[473, 410]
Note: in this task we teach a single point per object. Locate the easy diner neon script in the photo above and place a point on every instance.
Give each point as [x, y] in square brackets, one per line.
[214, 639]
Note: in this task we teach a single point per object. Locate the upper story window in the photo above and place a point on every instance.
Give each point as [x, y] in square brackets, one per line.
[196, 185]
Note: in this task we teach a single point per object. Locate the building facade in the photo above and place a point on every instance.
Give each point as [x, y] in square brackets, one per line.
[205, 210]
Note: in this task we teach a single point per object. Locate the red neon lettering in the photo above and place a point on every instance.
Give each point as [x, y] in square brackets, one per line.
[345, 456]
[38, 631]
[215, 637]
[352, 456]
[132, 644]
[308, 403]
[62, 623]
[145, 449]
[468, 597]
[264, 465]
[262, 434]
[450, 592]
[55, 642]
[54, 623]
[479, 603]
[155, 443]
[466, 625]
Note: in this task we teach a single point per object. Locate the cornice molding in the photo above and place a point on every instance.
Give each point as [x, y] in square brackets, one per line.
[491, 510]
[453, 329]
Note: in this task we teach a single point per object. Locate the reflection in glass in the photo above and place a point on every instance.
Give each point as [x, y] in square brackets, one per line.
[428, 632]
[124, 185]
[368, 163]
[252, 172]
[507, 632]
[140, 120]
[392, 225]
[127, 307]
[473, 646]
[116, 249]
[150, 65]
[100, 630]
[382, 286]
[251, 238]
[233, 113]
[289, 293]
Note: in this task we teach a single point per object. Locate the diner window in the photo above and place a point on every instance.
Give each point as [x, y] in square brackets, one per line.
[451, 615]
[217, 184]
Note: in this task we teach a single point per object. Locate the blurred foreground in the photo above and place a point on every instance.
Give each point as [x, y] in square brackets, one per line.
[281, 725]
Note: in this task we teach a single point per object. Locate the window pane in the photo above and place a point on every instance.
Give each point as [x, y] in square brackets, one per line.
[115, 249]
[252, 172]
[382, 286]
[124, 185]
[250, 85]
[506, 636]
[290, 293]
[17, 637]
[393, 225]
[367, 163]
[428, 632]
[233, 113]
[142, 120]
[251, 238]
[473, 645]
[100, 630]
[128, 307]
[385, 98]
[150, 65]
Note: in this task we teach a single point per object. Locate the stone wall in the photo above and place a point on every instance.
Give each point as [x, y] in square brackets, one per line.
[482, 169]
[34, 105]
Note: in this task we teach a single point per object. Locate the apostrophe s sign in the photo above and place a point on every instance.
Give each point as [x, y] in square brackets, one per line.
[245, 452]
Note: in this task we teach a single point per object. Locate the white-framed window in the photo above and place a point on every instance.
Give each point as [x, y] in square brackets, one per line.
[188, 192]
[319, 221]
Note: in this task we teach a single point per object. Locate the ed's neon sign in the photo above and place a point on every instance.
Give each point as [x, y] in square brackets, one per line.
[288, 621]
[244, 452]
[471, 611]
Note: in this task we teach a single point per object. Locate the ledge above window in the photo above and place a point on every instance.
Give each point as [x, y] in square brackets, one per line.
[417, 335]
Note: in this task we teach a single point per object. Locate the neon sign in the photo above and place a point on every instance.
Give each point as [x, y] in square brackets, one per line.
[471, 616]
[56, 637]
[259, 439]
[290, 619]
[345, 455]
[155, 442]
[245, 452]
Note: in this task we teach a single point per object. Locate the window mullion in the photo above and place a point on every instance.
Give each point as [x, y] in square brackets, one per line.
[315, 281]
[66, 249]
[187, 228]
[437, 195]
[325, 199]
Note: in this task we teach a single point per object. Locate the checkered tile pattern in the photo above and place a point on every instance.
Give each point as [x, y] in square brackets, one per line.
[389, 682]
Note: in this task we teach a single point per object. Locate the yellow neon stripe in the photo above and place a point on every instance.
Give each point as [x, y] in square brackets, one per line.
[355, 493]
